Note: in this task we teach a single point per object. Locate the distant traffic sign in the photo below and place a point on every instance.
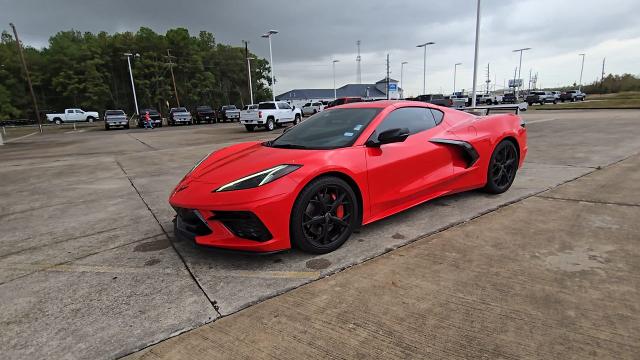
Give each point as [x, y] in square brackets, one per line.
[393, 87]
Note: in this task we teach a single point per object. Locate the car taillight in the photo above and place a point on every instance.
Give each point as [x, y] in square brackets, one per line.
[260, 114]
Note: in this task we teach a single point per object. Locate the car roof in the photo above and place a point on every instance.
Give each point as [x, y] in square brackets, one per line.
[381, 104]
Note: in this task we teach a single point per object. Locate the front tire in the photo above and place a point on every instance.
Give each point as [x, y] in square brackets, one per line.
[90, 119]
[324, 215]
[296, 120]
[503, 167]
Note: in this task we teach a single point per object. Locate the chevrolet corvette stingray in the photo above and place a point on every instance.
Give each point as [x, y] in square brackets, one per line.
[343, 168]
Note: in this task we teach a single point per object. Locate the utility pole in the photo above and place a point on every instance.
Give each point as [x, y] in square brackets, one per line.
[358, 66]
[387, 77]
[581, 69]
[529, 80]
[250, 85]
[455, 72]
[401, 77]
[335, 93]
[246, 56]
[602, 76]
[133, 85]
[488, 81]
[475, 56]
[26, 73]
[175, 89]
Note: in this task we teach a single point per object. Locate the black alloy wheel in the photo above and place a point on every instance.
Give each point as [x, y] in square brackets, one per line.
[324, 215]
[502, 168]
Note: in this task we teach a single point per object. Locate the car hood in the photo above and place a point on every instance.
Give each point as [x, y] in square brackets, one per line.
[237, 161]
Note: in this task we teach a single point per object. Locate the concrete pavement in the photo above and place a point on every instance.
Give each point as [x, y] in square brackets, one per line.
[553, 276]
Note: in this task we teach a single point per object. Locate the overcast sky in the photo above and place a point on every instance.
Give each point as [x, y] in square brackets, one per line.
[312, 33]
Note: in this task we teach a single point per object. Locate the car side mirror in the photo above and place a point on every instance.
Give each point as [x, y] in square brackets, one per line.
[390, 136]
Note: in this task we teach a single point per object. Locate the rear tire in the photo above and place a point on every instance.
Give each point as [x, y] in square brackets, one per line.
[324, 215]
[250, 128]
[270, 125]
[503, 167]
[106, 127]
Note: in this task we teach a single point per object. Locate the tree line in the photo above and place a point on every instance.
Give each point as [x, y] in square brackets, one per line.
[90, 71]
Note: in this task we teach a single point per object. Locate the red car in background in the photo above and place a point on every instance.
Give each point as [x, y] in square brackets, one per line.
[342, 168]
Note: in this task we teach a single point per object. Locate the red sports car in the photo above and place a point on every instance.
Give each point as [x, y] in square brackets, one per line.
[342, 168]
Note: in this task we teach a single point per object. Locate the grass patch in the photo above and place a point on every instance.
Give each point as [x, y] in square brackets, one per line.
[623, 100]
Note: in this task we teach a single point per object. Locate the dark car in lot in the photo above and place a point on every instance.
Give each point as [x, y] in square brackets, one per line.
[541, 97]
[344, 100]
[435, 99]
[229, 113]
[155, 116]
[509, 98]
[573, 95]
[115, 118]
[206, 114]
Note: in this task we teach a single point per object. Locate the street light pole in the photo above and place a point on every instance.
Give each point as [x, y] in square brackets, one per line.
[133, 86]
[424, 65]
[475, 56]
[401, 77]
[26, 74]
[250, 85]
[581, 69]
[335, 93]
[519, 68]
[268, 36]
[455, 70]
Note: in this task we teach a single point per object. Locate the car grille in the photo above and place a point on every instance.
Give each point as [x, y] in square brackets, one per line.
[191, 223]
[243, 224]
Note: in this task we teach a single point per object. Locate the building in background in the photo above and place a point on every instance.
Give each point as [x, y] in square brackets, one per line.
[377, 91]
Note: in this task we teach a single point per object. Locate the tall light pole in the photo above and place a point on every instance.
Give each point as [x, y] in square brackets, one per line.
[335, 93]
[519, 68]
[273, 79]
[424, 65]
[455, 70]
[475, 57]
[581, 69]
[133, 85]
[401, 76]
[250, 85]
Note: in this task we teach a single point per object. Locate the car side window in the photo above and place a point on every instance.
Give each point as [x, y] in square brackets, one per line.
[416, 119]
[437, 116]
[283, 105]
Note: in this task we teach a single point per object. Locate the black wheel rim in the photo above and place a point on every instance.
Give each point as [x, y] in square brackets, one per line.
[327, 216]
[504, 166]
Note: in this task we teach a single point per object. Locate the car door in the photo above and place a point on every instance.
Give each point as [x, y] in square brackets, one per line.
[69, 115]
[80, 115]
[405, 173]
[285, 112]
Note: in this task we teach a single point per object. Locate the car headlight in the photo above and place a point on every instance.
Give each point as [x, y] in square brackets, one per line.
[259, 179]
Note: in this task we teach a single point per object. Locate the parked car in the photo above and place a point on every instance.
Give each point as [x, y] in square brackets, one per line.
[343, 100]
[556, 94]
[509, 98]
[229, 113]
[271, 114]
[155, 116]
[573, 95]
[352, 166]
[206, 114]
[311, 108]
[180, 115]
[73, 115]
[435, 99]
[115, 118]
[540, 97]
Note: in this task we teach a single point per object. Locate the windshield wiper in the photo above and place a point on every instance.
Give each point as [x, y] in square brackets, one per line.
[288, 146]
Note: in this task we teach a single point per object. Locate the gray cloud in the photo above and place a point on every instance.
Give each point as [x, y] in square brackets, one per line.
[313, 33]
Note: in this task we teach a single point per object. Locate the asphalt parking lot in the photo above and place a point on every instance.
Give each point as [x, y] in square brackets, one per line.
[90, 267]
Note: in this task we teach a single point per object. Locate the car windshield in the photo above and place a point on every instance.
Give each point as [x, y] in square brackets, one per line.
[204, 108]
[114, 112]
[267, 106]
[330, 129]
[307, 104]
[180, 109]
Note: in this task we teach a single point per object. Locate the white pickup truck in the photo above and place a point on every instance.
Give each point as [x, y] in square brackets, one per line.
[73, 115]
[249, 112]
[271, 114]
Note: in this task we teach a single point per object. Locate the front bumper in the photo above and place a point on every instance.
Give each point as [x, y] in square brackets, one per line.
[252, 220]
